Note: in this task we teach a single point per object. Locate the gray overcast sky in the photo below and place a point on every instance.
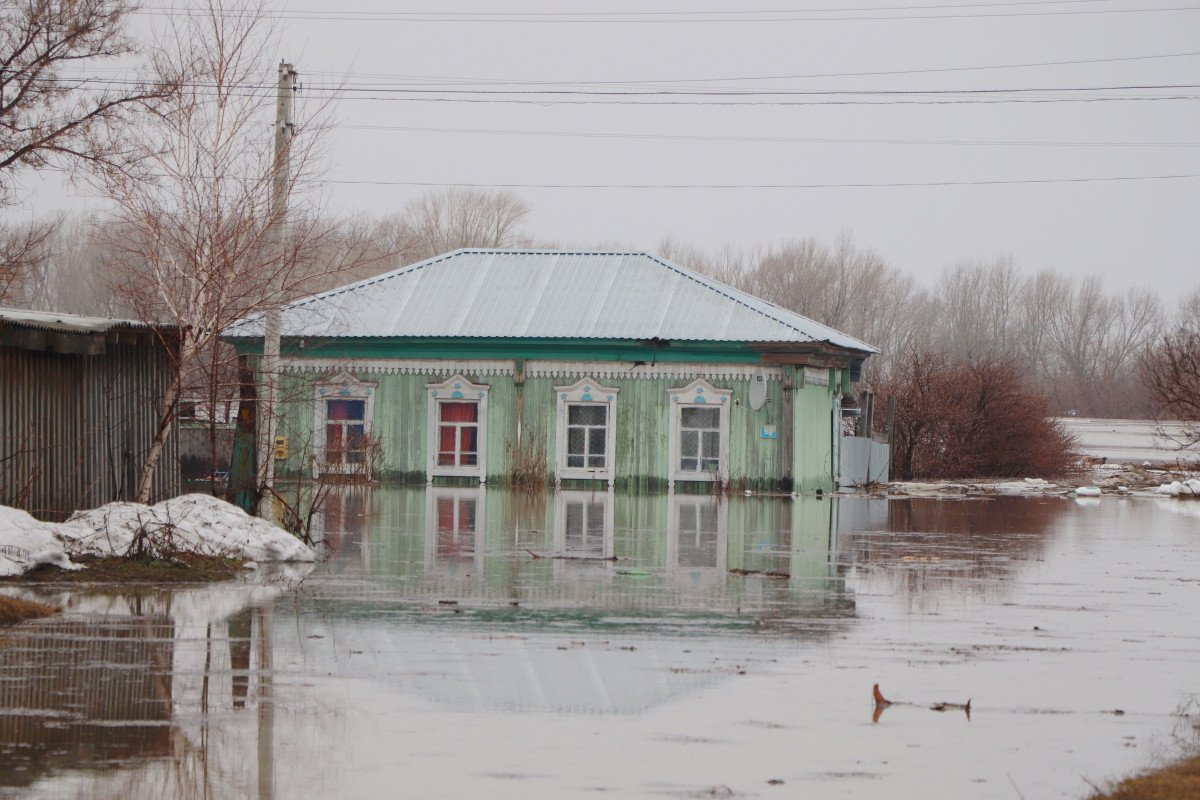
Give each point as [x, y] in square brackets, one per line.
[1142, 231]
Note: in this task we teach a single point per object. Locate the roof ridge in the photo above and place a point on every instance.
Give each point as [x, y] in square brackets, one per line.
[737, 296]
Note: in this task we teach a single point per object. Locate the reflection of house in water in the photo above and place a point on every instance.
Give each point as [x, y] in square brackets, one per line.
[476, 622]
[601, 550]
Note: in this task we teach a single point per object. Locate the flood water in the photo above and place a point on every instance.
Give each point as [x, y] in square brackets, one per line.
[463, 643]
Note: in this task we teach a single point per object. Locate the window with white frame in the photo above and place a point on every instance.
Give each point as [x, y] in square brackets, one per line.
[699, 435]
[587, 415]
[342, 425]
[457, 422]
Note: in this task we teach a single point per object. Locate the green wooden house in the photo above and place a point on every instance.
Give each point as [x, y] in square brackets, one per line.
[617, 368]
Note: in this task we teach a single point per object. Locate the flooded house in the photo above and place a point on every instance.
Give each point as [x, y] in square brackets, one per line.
[583, 369]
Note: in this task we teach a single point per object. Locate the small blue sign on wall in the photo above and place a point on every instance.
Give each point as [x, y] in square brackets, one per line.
[767, 432]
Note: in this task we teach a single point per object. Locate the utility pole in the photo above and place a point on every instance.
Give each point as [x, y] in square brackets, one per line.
[268, 367]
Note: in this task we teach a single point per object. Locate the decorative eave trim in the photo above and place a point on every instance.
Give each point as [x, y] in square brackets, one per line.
[610, 370]
[566, 371]
[397, 366]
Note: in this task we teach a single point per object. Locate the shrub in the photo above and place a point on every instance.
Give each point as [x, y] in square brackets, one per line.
[972, 418]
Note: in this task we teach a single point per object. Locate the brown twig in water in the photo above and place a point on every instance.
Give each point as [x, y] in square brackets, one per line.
[765, 574]
[569, 557]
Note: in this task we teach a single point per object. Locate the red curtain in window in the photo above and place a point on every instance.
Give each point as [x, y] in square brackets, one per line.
[459, 412]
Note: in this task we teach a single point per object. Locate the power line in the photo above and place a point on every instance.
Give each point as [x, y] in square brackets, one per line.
[902, 184]
[459, 81]
[346, 87]
[781, 103]
[555, 96]
[595, 18]
[766, 139]
[750, 92]
[694, 12]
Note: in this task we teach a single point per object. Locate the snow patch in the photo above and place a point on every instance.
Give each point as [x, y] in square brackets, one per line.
[1088, 491]
[1188, 488]
[26, 542]
[195, 523]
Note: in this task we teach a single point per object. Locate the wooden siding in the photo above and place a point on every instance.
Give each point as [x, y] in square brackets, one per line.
[642, 426]
[74, 427]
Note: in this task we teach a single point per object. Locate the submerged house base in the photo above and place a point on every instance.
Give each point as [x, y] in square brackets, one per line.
[612, 369]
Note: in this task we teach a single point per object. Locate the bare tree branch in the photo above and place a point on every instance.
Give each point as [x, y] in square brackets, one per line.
[50, 115]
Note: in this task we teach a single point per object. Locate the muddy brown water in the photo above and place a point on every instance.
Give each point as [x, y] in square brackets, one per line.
[460, 643]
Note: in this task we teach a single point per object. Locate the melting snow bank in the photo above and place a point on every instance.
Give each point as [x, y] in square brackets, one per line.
[26, 543]
[194, 523]
[1189, 488]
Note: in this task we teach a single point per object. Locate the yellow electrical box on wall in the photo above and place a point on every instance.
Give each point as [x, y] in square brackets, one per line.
[281, 448]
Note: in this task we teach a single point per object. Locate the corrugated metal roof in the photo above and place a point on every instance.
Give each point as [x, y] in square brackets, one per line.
[66, 323]
[547, 294]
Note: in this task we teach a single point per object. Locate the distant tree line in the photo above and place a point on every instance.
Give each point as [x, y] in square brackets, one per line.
[1080, 345]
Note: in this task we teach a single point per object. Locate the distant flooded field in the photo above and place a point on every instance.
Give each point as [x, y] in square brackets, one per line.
[472, 643]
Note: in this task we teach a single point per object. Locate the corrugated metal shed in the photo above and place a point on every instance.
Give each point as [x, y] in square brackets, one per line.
[547, 294]
[79, 403]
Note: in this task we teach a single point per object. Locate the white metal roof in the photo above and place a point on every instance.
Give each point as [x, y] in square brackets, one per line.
[547, 294]
[67, 323]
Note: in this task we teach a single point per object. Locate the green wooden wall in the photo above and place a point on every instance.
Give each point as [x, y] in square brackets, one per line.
[642, 425]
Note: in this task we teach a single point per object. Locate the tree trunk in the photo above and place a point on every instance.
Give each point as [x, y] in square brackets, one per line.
[166, 415]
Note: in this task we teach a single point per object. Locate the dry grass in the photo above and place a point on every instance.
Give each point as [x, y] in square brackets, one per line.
[1178, 781]
[13, 610]
[181, 568]
[529, 468]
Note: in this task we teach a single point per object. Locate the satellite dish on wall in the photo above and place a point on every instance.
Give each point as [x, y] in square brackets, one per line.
[758, 390]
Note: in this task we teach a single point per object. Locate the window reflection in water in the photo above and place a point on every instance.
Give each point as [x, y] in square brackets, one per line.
[697, 533]
[453, 523]
[584, 524]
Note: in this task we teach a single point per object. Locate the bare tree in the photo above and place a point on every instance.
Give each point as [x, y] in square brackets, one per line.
[438, 222]
[1043, 296]
[979, 304]
[1187, 315]
[1172, 375]
[846, 287]
[196, 238]
[52, 116]
[22, 248]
